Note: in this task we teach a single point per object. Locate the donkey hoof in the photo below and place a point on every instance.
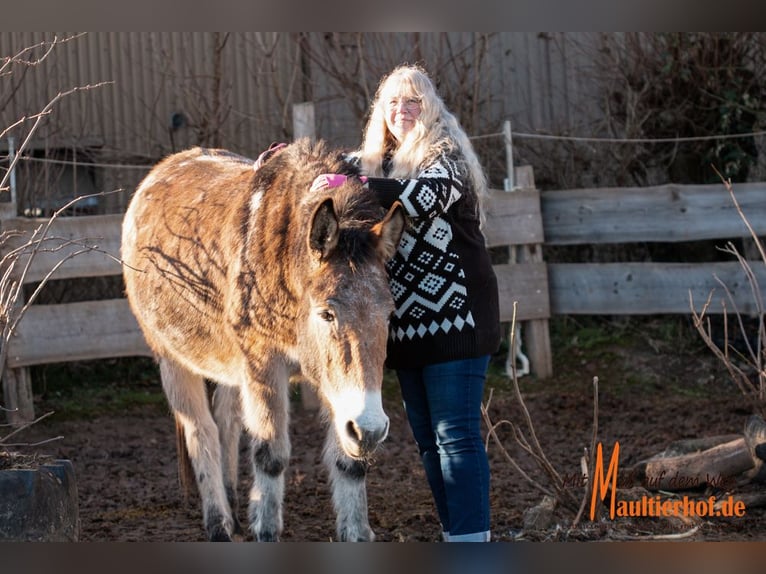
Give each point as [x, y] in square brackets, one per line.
[218, 534]
[236, 528]
[356, 535]
[268, 537]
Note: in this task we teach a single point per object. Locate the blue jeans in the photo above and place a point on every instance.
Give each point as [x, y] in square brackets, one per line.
[443, 405]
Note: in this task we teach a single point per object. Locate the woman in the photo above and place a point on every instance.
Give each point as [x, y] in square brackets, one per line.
[446, 324]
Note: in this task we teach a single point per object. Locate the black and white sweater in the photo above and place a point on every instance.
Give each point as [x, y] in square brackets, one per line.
[441, 276]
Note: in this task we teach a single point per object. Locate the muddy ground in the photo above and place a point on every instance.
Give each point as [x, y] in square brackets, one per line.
[655, 387]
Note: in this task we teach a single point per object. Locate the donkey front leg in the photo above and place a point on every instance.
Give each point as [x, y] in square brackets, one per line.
[349, 492]
[187, 398]
[265, 403]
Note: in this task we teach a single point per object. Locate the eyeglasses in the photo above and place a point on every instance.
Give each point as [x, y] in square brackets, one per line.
[410, 104]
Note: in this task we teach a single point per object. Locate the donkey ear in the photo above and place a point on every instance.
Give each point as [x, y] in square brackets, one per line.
[390, 230]
[323, 236]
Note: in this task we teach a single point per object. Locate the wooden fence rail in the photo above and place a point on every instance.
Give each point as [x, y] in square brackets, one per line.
[524, 221]
[667, 214]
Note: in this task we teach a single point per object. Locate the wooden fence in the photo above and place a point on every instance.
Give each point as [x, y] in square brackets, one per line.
[524, 221]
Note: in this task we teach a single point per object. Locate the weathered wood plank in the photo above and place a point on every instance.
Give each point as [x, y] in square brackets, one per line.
[76, 332]
[648, 288]
[513, 218]
[527, 284]
[18, 403]
[524, 177]
[668, 213]
[304, 122]
[101, 231]
[536, 332]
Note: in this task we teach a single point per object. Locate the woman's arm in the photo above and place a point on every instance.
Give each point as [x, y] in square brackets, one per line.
[434, 190]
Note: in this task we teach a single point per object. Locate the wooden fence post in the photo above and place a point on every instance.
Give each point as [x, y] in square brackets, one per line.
[17, 396]
[536, 333]
[304, 124]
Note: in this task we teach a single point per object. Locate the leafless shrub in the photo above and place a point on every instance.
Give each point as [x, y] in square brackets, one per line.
[18, 252]
[551, 483]
[746, 368]
[15, 264]
[655, 89]
[570, 496]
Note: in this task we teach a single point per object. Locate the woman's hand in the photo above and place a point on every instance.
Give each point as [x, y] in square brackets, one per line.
[331, 181]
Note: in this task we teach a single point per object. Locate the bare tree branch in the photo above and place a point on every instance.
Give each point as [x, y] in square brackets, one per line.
[558, 489]
[4, 440]
[38, 118]
[754, 392]
[592, 467]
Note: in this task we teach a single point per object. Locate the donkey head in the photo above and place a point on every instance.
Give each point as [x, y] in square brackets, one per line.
[347, 305]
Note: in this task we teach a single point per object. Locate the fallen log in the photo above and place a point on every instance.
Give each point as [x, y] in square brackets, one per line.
[718, 466]
[722, 461]
[749, 499]
[692, 445]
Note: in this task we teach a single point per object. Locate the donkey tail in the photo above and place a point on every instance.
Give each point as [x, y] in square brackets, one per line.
[185, 469]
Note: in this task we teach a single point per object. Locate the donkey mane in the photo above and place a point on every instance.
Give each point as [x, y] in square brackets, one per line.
[305, 160]
[357, 210]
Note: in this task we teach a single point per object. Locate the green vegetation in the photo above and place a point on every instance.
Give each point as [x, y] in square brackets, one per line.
[91, 388]
[629, 355]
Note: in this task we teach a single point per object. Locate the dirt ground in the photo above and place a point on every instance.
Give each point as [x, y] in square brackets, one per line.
[650, 394]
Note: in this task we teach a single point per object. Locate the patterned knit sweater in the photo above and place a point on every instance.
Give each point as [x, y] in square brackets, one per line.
[441, 276]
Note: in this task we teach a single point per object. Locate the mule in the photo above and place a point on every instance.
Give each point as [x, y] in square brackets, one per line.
[245, 278]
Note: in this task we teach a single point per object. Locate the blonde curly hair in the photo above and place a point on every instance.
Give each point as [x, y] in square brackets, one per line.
[436, 131]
